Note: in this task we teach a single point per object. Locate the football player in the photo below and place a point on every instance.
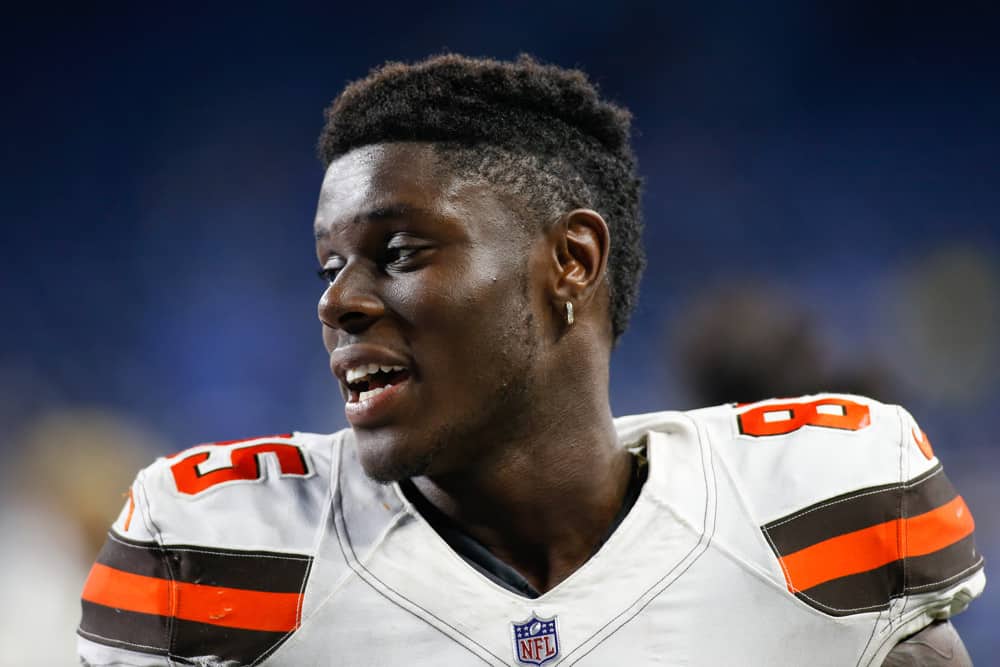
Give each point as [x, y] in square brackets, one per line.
[478, 233]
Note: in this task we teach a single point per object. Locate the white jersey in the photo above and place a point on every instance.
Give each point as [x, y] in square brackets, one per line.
[818, 530]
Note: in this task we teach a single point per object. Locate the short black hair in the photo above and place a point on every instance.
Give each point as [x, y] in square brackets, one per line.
[539, 131]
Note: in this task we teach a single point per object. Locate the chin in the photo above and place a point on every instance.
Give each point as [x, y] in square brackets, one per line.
[388, 459]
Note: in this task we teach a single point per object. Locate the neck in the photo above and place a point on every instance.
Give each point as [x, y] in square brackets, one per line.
[542, 502]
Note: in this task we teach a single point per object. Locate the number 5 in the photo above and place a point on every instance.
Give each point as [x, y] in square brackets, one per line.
[245, 466]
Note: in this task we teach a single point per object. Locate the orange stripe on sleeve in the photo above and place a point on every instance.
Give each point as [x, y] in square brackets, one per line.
[122, 590]
[878, 545]
[939, 528]
[214, 605]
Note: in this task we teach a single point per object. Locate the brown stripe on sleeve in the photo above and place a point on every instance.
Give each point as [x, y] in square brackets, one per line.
[927, 492]
[872, 590]
[143, 558]
[857, 593]
[189, 601]
[944, 567]
[146, 633]
[859, 509]
[855, 552]
[266, 571]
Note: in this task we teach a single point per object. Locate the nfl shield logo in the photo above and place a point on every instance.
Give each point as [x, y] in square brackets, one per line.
[536, 640]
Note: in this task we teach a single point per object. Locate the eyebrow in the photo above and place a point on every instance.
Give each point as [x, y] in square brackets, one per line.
[378, 214]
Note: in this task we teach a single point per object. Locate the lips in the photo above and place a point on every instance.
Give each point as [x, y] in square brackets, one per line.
[373, 380]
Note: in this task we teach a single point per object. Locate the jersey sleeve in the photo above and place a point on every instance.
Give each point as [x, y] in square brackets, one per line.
[209, 558]
[943, 569]
[125, 600]
[903, 548]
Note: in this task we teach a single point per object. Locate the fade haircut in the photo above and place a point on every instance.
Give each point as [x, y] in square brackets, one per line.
[539, 133]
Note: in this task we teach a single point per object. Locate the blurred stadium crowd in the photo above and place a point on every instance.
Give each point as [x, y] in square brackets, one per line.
[821, 203]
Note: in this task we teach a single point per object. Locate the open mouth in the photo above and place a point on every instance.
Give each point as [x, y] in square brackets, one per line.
[369, 380]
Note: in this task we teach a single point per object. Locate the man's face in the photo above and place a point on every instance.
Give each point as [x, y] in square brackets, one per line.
[429, 316]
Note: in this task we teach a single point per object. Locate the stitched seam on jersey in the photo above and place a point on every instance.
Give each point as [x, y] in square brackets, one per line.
[237, 555]
[891, 635]
[145, 511]
[173, 602]
[766, 575]
[351, 561]
[317, 542]
[781, 562]
[904, 595]
[334, 488]
[335, 448]
[797, 591]
[157, 535]
[347, 561]
[175, 594]
[338, 510]
[902, 532]
[711, 497]
[119, 641]
[903, 486]
[457, 560]
[891, 489]
[308, 571]
[873, 607]
[298, 609]
[233, 554]
[240, 553]
[763, 575]
[429, 613]
[978, 564]
[118, 661]
[152, 546]
[298, 621]
[868, 643]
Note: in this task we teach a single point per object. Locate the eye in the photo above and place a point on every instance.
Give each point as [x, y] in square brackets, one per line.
[327, 275]
[401, 251]
[400, 255]
[329, 272]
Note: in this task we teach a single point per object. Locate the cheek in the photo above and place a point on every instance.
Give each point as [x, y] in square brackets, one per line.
[450, 299]
[466, 332]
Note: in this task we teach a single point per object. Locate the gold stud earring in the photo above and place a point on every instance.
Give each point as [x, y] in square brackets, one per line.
[569, 312]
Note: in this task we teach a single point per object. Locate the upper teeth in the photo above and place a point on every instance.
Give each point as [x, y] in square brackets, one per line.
[364, 370]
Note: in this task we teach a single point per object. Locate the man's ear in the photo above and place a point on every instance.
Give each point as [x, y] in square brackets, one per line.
[580, 243]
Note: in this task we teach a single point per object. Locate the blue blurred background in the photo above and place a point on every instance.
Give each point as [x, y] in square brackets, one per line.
[828, 170]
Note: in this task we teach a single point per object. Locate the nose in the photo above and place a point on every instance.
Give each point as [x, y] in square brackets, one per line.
[350, 302]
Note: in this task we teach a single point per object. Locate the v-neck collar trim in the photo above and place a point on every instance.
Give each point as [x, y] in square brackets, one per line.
[669, 527]
[484, 561]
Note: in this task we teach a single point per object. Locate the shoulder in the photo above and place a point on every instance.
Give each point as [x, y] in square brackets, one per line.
[210, 554]
[275, 485]
[850, 498]
[789, 454]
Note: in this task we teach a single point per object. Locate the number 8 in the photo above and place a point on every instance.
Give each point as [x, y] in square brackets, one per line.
[784, 418]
